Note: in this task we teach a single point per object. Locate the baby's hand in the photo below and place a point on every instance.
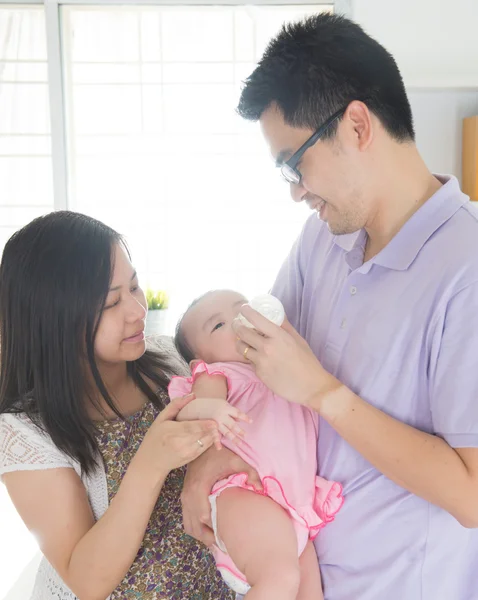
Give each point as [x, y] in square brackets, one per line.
[226, 417]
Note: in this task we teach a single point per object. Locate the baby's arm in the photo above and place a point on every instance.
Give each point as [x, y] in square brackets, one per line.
[211, 394]
[211, 403]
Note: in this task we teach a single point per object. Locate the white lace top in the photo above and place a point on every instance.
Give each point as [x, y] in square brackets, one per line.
[24, 447]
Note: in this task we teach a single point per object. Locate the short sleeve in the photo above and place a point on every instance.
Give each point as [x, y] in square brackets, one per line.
[23, 447]
[454, 372]
[181, 386]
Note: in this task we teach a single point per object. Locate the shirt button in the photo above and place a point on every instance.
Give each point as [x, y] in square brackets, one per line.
[353, 290]
[343, 323]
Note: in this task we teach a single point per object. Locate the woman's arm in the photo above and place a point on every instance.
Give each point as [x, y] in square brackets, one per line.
[420, 462]
[93, 558]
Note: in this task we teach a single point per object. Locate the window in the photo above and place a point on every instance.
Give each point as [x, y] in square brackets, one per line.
[154, 148]
[27, 190]
[25, 147]
[157, 151]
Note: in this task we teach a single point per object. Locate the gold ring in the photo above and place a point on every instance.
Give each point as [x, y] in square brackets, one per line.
[200, 443]
[245, 351]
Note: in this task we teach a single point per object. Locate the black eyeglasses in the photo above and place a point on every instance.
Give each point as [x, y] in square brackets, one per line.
[289, 170]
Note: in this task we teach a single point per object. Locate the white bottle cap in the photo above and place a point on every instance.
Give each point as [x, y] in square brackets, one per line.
[268, 306]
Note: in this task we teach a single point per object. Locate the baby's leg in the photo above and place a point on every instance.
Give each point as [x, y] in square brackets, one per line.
[310, 580]
[261, 540]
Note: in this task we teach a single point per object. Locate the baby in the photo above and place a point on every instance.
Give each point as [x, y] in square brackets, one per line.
[263, 537]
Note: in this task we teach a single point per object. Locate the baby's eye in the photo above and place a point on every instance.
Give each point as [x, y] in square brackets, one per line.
[216, 327]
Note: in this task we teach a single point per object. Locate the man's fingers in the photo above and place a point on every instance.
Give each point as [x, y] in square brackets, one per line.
[207, 536]
[187, 523]
[249, 336]
[260, 323]
[198, 524]
[251, 355]
[253, 478]
[286, 326]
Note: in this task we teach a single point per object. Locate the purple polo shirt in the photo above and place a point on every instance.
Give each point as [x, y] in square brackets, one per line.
[401, 331]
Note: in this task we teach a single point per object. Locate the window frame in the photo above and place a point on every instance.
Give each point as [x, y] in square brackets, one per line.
[56, 74]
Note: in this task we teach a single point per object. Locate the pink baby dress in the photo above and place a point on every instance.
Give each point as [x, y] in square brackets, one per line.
[281, 445]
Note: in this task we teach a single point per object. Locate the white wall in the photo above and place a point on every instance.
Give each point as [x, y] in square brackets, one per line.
[441, 74]
[23, 587]
[435, 44]
[15, 551]
[438, 118]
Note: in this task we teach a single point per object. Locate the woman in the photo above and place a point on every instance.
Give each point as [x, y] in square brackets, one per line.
[89, 451]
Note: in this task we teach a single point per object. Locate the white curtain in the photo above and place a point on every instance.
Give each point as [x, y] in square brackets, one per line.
[25, 147]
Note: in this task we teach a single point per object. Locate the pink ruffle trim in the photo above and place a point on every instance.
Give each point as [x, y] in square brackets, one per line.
[327, 501]
[199, 369]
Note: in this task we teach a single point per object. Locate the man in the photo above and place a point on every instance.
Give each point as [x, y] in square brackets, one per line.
[384, 289]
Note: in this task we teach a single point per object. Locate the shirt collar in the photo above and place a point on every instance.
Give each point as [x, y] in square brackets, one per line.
[404, 247]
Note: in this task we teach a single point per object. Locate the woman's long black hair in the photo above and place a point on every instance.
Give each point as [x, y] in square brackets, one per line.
[55, 275]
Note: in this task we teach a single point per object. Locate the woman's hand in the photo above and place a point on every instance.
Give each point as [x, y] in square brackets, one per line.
[169, 444]
[283, 359]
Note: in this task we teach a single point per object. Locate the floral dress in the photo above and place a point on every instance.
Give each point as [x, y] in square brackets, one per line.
[169, 564]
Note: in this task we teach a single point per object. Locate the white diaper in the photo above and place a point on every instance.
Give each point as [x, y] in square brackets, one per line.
[229, 572]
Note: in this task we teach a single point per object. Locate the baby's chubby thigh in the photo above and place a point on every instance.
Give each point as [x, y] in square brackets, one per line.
[259, 537]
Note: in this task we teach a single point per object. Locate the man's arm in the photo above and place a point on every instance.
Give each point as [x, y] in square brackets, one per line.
[441, 468]
[423, 464]
[202, 474]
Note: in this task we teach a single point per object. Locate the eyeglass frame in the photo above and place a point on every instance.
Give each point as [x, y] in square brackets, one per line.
[315, 137]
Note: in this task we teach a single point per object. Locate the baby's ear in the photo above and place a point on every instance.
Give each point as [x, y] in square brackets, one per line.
[193, 364]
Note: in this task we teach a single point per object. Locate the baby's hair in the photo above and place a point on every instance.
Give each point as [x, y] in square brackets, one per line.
[180, 341]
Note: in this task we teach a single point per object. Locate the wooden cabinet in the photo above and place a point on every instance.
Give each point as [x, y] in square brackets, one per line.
[469, 159]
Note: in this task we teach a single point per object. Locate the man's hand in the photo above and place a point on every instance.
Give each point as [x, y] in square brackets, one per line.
[283, 360]
[201, 476]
